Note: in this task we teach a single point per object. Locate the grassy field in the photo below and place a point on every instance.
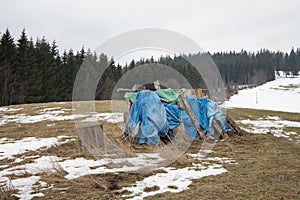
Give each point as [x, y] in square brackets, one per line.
[268, 166]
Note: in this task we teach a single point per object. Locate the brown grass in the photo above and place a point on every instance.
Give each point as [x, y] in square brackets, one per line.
[268, 167]
[151, 189]
[6, 191]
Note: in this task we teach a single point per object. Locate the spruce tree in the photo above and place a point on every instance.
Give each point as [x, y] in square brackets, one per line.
[7, 60]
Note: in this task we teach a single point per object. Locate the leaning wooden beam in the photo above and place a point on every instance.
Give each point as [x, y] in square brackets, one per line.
[193, 117]
[236, 129]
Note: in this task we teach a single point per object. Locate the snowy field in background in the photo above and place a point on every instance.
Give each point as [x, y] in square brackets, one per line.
[282, 94]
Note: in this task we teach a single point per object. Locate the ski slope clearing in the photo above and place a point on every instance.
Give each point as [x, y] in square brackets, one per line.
[282, 94]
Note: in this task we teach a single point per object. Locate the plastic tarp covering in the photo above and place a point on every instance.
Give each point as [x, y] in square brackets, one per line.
[215, 112]
[130, 96]
[173, 120]
[199, 108]
[168, 94]
[205, 111]
[156, 117]
[159, 118]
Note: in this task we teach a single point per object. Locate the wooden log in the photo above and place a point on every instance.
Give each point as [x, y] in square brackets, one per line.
[236, 129]
[198, 92]
[193, 117]
[128, 90]
[126, 114]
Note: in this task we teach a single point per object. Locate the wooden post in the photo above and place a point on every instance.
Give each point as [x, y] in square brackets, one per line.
[193, 117]
[198, 92]
[126, 114]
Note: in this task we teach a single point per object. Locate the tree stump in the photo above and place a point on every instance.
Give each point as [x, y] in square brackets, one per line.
[91, 138]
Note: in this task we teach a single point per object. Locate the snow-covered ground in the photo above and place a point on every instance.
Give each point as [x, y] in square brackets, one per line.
[55, 114]
[29, 184]
[282, 94]
[174, 180]
[177, 180]
[11, 147]
[273, 125]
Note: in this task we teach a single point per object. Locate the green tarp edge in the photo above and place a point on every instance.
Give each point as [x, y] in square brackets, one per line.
[168, 94]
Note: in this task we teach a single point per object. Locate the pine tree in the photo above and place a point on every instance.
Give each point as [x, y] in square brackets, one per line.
[7, 78]
[49, 68]
[22, 69]
[292, 63]
[34, 77]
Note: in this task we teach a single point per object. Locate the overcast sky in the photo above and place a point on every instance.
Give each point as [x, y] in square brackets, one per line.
[221, 25]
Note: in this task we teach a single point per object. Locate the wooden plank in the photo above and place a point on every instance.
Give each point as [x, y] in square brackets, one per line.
[193, 117]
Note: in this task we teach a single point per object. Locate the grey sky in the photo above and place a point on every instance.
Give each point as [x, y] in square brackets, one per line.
[221, 25]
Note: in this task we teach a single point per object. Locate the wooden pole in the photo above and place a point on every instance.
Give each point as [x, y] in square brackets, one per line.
[193, 117]
[236, 129]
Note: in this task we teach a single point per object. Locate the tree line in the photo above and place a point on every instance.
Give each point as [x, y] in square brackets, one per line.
[35, 71]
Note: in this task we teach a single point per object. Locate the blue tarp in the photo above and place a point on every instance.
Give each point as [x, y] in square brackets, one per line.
[205, 111]
[173, 120]
[158, 118]
[199, 108]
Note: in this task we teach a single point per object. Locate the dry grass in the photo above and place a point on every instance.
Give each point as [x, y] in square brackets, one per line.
[6, 191]
[268, 167]
[252, 114]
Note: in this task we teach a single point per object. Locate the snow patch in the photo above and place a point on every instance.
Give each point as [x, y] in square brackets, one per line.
[11, 147]
[24, 185]
[4, 109]
[80, 166]
[176, 180]
[109, 117]
[54, 115]
[273, 125]
[25, 119]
